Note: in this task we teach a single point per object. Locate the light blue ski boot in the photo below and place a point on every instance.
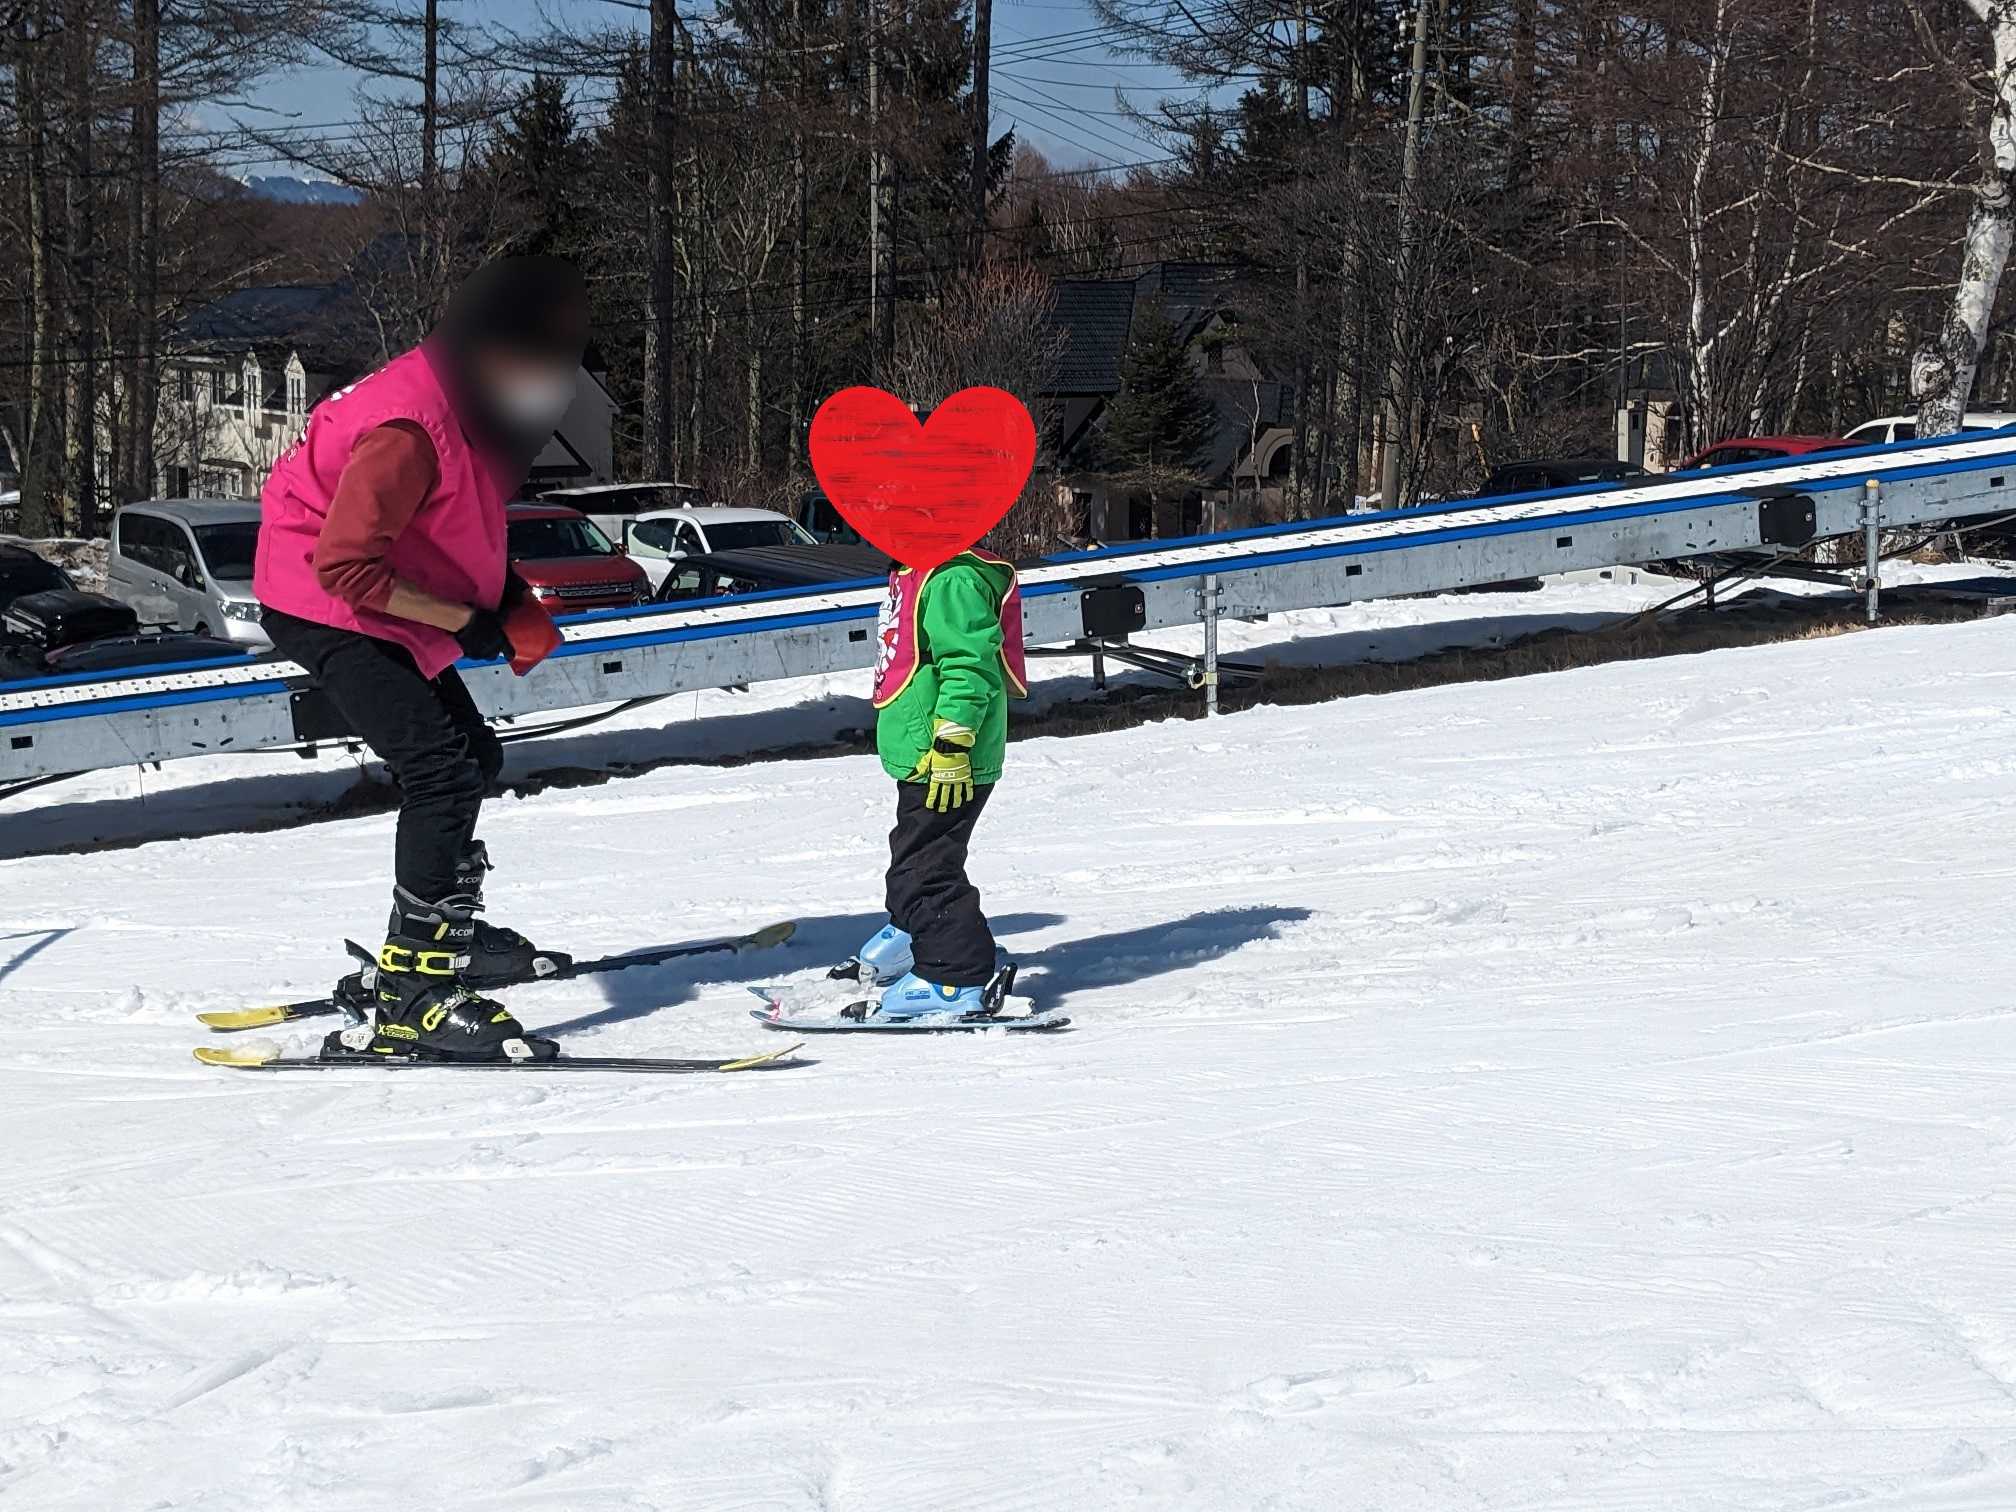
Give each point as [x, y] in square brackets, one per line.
[913, 997]
[885, 958]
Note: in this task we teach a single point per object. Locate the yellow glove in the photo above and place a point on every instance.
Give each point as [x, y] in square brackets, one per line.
[947, 766]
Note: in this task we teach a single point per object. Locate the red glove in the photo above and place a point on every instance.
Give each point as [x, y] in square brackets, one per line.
[531, 632]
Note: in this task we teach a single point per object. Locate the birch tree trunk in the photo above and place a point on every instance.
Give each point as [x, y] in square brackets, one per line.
[1942, 371]
[40, 514]
[1704, 393]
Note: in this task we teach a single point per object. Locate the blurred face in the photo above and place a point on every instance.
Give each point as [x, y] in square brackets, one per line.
[529, 393]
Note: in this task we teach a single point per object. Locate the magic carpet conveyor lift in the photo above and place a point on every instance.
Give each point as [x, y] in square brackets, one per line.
[52, 726]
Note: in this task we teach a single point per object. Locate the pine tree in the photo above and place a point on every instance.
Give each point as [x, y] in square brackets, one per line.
[1160, 423]
[539, 162]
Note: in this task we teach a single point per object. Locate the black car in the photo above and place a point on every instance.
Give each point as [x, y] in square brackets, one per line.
[120, 653]
[21, 571]
[1557, 472]
[60, 632]
[757, 569]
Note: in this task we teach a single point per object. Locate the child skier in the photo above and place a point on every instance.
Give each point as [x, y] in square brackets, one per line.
[949, 657]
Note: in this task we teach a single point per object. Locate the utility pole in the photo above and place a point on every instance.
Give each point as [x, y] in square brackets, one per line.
[430, 103]
[983, 47]
[800, 330]
[437, 229]
[1298, 455]
[659, 210]
[878, 179]
[34, 79]
[80, 41]
[1410, 175]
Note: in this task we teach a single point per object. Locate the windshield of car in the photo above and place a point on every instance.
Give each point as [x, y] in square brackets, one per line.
[533, 539]
[27, 574]
[227, 549]
[826, 522]
[735, 535]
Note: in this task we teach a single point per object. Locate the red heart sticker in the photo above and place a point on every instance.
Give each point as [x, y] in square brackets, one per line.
[923, 493]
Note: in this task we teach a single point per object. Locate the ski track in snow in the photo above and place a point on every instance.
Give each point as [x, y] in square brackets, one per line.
[1590, 1091]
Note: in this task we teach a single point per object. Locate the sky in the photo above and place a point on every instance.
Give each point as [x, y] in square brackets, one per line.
[1053, 79]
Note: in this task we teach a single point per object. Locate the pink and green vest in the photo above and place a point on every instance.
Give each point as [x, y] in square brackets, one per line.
[898, 644]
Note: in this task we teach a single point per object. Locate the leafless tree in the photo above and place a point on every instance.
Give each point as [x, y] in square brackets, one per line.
[992, 328]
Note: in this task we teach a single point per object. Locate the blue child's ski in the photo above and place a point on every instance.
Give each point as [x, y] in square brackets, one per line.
[1017, 1016]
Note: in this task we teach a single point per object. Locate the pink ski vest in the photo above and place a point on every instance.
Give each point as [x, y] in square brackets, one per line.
[898, 646]
[453, 548]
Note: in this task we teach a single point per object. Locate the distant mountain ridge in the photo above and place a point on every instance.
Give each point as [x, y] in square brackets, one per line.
[288, 190]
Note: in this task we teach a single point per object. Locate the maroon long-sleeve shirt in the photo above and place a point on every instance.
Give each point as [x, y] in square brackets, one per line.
[391, 471]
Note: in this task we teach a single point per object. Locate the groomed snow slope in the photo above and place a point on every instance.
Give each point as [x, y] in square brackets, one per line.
[1591, 1091]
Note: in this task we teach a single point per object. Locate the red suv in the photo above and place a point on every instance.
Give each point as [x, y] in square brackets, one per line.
[1761, 449]
[568, 562]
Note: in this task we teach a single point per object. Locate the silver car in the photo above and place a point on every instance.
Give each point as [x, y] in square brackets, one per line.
[187, 563]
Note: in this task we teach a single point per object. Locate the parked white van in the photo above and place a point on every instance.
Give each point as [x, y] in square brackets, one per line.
[1905, 427]
[187, 563]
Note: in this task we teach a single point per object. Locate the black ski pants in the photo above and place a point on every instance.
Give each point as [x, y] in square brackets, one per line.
[928, 892]
[426, 730]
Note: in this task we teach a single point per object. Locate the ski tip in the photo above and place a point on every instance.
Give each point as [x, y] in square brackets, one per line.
[244, 1018]
[763, 1060]
[768, 937]
[243, 1056]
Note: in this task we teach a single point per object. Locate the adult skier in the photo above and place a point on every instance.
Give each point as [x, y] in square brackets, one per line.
[949, 657]
[381, 562]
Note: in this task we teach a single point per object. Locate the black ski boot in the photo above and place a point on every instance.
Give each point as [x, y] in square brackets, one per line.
[423, 1006]
[498, 956]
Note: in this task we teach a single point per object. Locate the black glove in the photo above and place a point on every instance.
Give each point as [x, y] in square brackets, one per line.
[516, 589]
[483, 638]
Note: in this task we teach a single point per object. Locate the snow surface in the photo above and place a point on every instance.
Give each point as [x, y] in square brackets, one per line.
[1590, 1091]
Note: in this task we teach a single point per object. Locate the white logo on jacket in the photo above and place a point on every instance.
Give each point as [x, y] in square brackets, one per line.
[888, 629]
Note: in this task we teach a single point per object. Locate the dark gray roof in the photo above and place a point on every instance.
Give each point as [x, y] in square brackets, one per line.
[246, 316]
[1190, 293]
[323, 322]
[1096, 315]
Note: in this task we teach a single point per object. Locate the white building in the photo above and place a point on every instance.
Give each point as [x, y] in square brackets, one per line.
[242, 373]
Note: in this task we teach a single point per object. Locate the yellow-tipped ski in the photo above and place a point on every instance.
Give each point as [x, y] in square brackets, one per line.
[244, 1018]
[768, 938]
[242, 1056]
[760, 1060]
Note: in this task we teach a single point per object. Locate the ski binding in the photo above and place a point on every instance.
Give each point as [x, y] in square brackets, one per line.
[1014, 1015]
[231, 1021]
